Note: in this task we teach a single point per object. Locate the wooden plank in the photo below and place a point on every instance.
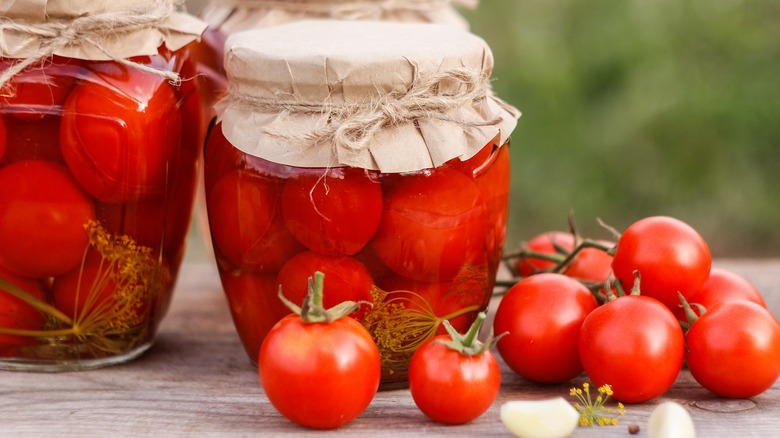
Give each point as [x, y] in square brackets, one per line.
[197, 380]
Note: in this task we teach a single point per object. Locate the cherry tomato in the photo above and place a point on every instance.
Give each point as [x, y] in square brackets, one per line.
[452, 386]
[17, 314]
[120, 127]
[591, 264]
[36, 139]
[254, 306]
[42, 88]
[432, 224]
[545, 243]
[319, 374]
[246, 223]
[348, 279]
[42, 216]
[85, 291]
[725, 286]
[670, 256]
[635, 344]
[542, 315]
[734, 349]
[322, 207]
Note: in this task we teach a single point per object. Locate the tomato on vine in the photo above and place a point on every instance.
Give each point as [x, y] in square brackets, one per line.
[634, 344]
[733, 348]
[454, 378]
[319, 368]
[544, 251]
[670, 256]
[542, 315]
[724, 286]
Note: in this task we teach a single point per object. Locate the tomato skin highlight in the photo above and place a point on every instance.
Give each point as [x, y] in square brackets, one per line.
[319, 375]
[635, 344]
[542, 315]
[733, 350]
[42, 216]
[449, 387]
[669, 255]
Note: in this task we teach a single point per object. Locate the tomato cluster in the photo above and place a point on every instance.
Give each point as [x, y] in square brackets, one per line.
[421, 245]
[640, 308]
[97, 175]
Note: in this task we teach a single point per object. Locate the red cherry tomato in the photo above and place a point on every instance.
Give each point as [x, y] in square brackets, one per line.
[36, 139]
[670, 256]
[42, 216]
[254, 306]
[246, 223]
[545, 243]
[724, 286]
[542, 315]
[734, 349]
[17, 314]
[635, 344]
[452, 387]
[591, 264]
[120, 128]
[334, 211]
[86, 291]
[42, 88]
[319, 374]
[433, 223]
[348, 279]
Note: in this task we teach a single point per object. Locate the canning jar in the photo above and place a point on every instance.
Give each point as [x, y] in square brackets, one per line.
[373, 152]
[226, 17]
[99, 151]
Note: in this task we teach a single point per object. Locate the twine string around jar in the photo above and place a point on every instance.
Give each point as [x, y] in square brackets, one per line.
[351, 125]
[54, 35]
[342, 8]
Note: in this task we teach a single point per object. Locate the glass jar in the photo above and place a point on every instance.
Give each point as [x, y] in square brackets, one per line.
[226, 17]
[98, 166]
[417, 233]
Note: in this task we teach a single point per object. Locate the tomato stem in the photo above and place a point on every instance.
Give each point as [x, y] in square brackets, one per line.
[312, 309]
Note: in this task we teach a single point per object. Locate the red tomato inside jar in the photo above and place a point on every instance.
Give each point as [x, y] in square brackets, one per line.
[97, 177]
[403, 210]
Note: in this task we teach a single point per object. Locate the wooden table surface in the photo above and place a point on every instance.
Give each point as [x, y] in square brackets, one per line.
[197, 381]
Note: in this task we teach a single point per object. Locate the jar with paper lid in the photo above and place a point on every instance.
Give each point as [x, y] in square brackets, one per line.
[99, 151]
[373, 152]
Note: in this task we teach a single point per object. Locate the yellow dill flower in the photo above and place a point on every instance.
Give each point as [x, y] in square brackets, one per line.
[593, 410]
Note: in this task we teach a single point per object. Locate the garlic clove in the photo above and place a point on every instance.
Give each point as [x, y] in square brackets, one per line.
[552, 418]
[670, 420]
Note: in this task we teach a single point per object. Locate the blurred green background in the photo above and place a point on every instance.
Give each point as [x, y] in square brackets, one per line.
[635, 108]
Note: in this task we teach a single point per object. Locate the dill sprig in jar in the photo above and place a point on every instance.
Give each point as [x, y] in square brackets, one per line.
[99, 150]
[373, 152]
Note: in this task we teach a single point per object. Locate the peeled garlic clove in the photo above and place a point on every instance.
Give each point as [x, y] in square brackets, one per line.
[553, 418]
[670, 420]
